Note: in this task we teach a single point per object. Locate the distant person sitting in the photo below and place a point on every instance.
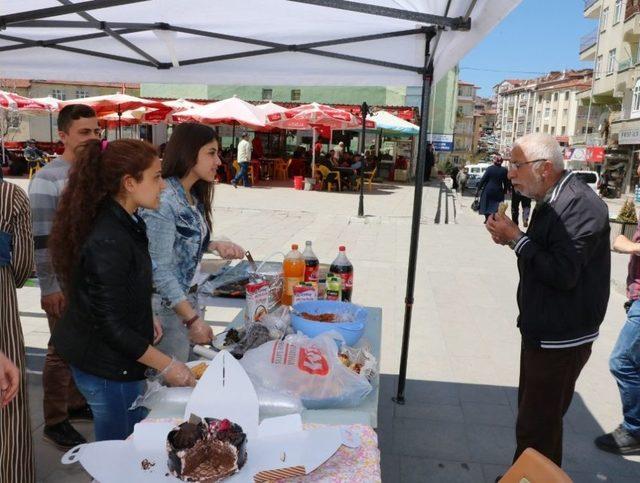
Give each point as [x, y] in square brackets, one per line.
[33, 155]
[339, 149]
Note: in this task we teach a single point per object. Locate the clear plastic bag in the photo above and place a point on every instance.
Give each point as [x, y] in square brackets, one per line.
[306, 368]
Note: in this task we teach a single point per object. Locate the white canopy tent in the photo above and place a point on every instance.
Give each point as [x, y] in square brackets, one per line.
[277, 42]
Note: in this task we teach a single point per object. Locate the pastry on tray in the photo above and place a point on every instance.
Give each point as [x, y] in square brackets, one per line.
[208, 450]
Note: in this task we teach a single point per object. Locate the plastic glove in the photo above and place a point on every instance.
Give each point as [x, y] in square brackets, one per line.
[178, 374]
[228, 250]
[200, 333]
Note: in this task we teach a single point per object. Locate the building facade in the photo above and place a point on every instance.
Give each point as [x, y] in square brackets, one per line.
[550, 104]
[463, 139]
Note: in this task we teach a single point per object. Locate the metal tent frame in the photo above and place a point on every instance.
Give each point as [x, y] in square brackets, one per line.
[434, 24]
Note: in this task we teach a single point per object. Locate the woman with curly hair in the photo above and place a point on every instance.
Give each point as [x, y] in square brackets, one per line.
[100, 252]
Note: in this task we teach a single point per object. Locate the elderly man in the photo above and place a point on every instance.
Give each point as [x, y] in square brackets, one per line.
[564, 264]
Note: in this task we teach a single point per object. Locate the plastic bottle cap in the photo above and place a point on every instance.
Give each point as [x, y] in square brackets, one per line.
[341, 248]
[294, 247]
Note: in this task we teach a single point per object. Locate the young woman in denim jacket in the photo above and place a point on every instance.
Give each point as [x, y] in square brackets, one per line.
[179, 233]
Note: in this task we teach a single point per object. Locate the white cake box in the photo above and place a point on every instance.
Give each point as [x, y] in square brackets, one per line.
[223, 392]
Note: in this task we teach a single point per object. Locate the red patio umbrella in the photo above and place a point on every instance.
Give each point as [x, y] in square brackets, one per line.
[312, 116]
[118, 104]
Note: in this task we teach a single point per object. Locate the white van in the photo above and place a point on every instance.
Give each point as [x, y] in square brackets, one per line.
[475, 174]
[591, 178]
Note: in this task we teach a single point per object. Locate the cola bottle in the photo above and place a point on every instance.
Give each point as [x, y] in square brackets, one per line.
[342, 267]
[311, 264]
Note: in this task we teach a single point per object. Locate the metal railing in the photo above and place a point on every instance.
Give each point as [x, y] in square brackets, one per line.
[631, 8]
[589, 40]
[589, 3]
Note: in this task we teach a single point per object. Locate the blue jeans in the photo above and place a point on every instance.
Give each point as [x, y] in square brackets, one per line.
[243, 174]
[625, 367]
[110, 402]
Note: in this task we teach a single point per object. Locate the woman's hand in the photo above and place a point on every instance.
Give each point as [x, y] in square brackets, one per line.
[227, 250]
[9, 380]
[200, 332]
[157, 331]
[177, 374]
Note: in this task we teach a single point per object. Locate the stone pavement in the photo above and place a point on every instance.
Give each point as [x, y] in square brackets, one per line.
[458, 421]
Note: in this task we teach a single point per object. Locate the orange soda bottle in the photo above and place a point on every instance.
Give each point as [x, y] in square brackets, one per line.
[293, 271]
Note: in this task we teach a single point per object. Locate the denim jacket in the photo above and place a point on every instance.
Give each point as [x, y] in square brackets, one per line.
[5, 248]
[175, 243]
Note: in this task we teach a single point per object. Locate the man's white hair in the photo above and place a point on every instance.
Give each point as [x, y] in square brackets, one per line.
[541, 146]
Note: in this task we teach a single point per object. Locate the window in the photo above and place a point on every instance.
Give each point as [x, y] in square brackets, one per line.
[267, 94]
[538, 129]
[553, 130]
[546, 111]
[295, 94]
[635, 100]
[565, 113]
[554, 113]
[566, 96]
[540, 98]
[81, 93]
[611, 62]
[604, 19]
[59, 94]
[555, 96]
[617, 13]
[563, 130]
[598, 66]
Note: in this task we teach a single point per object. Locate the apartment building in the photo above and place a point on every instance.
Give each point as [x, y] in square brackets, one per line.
[548, 104]
[484, 120]
[613, 47]
[463, 134]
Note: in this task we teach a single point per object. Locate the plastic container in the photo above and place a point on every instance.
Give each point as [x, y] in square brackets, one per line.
[298, 182]
[309, 183]
[351, 331]
[293, 270]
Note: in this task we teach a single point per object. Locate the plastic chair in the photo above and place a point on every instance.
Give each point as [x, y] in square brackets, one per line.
[236, 167]
[532, 467]
[325, 172]
[281, 170]
[368, 178]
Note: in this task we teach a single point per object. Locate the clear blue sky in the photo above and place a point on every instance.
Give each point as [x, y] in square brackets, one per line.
[538, 36]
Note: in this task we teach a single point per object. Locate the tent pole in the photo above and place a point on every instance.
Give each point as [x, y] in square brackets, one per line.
[233, 136]
[415, 223]
[50, 127]
[364, 110]
[119, 123]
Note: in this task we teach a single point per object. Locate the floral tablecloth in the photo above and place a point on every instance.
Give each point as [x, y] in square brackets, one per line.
[361, 464]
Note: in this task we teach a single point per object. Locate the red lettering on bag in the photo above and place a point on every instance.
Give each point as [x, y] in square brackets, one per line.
[313, 361]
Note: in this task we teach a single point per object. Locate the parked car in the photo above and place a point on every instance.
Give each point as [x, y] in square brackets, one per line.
[591, 178]
[475, 174]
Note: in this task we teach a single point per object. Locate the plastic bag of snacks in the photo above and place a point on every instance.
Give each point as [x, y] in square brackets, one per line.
[307, 368]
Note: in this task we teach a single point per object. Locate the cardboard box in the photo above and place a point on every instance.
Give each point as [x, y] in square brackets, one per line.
[224, 391]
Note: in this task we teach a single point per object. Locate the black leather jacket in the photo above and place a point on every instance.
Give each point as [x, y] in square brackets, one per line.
[108, 324]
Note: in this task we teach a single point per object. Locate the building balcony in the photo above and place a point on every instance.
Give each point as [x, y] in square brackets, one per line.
[631, 9]
[588, 45]
[625, 79]
[631, 27]
[592, 8]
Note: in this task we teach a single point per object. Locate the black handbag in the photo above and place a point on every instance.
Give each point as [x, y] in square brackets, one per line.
[475, 206]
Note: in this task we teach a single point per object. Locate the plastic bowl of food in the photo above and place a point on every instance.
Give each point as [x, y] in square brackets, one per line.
[316, 317]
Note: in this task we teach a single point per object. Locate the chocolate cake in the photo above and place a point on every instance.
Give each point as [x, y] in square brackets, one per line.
[208, 450]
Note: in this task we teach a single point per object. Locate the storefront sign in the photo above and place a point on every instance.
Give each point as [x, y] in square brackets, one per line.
[441, 142]
[595, 154]
[629, 136]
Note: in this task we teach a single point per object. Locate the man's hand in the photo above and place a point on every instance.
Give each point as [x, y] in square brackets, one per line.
[502, 229]
[227, 250]
[53, 304]
[9, 380]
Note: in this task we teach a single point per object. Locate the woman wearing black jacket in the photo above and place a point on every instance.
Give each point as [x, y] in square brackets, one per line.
[492, 188]
[100, 252]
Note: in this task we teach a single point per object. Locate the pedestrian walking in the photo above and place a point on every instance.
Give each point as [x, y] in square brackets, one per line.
[518, 200]
[100, 252]
[429, 162]
[564, 264]
[244, 161]
[16, 263]
[492, 188]
[62, 401]
[624, 362]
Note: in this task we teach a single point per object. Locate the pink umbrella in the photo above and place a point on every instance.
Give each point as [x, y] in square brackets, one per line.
[310, 116]
[229, 111]
[10, 100]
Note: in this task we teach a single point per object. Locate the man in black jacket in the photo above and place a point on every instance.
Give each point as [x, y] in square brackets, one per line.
[564, 263]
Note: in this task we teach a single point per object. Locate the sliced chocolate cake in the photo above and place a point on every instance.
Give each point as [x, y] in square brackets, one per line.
[206, 451]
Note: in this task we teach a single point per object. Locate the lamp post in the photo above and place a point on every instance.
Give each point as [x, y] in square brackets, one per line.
[364, 110]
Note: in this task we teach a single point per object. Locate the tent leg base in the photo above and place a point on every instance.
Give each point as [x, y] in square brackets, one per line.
[399, 400]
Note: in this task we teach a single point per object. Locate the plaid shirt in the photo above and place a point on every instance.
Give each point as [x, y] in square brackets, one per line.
[633, 277]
